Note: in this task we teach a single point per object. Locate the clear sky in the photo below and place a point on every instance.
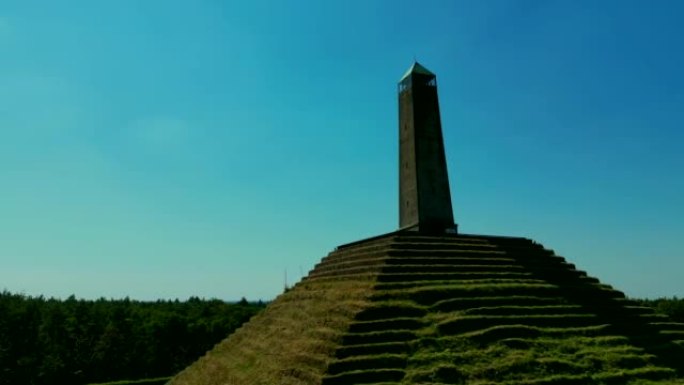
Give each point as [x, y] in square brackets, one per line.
[164, 149]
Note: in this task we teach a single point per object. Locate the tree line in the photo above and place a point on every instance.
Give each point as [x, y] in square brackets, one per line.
[76, 341]
[673, 307]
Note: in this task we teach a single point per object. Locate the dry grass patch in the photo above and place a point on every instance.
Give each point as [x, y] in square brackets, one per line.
[290, 343]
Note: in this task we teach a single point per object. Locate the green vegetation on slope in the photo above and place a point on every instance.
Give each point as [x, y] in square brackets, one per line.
[459, 318]
[448, 310]
[148, 381]
[290, 343]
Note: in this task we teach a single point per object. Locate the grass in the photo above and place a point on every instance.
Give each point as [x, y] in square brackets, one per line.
[147, 381]
[520, 316]
[388, 361]
[536, 357]
[290, 343]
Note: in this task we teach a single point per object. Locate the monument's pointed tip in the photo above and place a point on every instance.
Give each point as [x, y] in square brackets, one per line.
[416, 68]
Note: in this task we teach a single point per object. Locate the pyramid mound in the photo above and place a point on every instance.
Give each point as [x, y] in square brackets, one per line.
[449, 309]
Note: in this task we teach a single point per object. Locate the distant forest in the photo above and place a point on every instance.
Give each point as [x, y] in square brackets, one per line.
[74, 341]
[673, 307]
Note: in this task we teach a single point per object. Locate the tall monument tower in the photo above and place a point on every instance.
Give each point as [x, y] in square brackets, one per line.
[424, 196]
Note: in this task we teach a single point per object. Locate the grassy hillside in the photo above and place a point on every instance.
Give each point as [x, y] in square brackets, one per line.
[409, 309]
[148, 381]
[290, 343]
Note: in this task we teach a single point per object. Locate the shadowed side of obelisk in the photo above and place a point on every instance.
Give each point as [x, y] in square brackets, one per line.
[424, 195]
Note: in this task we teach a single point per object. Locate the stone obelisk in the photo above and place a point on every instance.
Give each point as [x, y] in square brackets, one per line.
[424, 195]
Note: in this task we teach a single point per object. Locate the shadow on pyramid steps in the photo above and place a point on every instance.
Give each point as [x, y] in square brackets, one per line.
[448, 309]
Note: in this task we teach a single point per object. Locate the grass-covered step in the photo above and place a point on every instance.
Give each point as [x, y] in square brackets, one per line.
[366, 251]
[410, 238]
[573, 278]
[526, 310]
[147, 381]
[499, 363]
[529, 253]
[352, 256]
[577, 344]
[650, 375]
[589, 293]
[560, 274]
[621, 308]
[673, 326]
[615, 358]
[464, 324]
[357, 269]
[389, 383]
[462, 303]
[330, 278]
[365, 244]
[502, 332]
[525, 250]
[522, 366]
[428, 295]
[638, 326]
[645, 373]
[335, 269]
[364, 377]
[575, 340]
[455, 242]
[443, 238]
[443, 246]
[452, 260]
[334, 265]
[381, 361]
[441, 373]
[651, 318]
[553, 270]
[378, 337]
[345, 351]
[370, 254]
[485, 259]
[386, 324]
[672, 334]
[601, 350]
[511, 241]
[554, 276]
[450, 268]
[391, 283]
[445, 253]
[390, 309]
[483, 276]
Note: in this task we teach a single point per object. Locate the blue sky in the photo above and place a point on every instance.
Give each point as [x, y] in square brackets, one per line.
[165, 149]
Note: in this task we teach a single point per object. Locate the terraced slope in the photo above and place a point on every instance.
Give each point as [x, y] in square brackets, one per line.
[451, 310]
[292, 341]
